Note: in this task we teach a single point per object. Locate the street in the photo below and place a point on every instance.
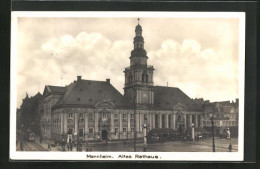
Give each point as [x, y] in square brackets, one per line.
[204, 145]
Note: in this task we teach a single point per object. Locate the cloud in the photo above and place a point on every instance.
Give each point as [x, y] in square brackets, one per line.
[198, 72]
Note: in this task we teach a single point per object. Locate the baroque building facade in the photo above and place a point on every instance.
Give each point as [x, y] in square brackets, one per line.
[92, 110]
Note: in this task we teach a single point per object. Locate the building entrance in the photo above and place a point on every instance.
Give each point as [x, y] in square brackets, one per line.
[104, 134]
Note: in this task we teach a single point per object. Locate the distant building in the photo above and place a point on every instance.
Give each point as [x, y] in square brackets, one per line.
[91, 110]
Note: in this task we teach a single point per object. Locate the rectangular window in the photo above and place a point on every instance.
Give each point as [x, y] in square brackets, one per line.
[80, 132]
[115, 116]
[145, 117]
[90, 130]
[104, 117]
[70, 115]
[124, 117]
[116, 131]
[132, 116]
[132, 130]
[124, 129]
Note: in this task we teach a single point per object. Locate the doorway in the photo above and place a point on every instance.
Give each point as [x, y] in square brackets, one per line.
[104, 134]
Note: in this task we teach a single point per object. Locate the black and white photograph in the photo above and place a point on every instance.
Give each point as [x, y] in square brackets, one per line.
[127, 86]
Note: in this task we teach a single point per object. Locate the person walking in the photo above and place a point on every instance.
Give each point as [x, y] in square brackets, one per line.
[21, 146]
[49, 146]
[230, 147]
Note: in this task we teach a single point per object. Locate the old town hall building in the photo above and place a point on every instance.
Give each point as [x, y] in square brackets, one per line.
[92, 110]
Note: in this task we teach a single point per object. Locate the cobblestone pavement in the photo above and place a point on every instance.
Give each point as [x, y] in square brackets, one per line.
[204, 145]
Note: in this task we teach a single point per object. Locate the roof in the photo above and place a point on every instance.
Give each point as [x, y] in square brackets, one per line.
[57, 88]
[138, 52]
[53, 89]
[89, 93]
[138, 28]
[168, 97]
[196, 104]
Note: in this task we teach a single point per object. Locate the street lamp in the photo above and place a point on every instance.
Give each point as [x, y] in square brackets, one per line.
[192, 132]
[145, 138]
[213, 141]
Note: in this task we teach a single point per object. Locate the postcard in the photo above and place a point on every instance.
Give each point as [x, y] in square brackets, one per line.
[149, 86]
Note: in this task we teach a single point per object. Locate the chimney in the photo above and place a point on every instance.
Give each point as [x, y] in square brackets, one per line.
[78, 78]
[108, 81]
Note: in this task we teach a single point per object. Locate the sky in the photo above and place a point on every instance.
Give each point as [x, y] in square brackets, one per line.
[198, 55]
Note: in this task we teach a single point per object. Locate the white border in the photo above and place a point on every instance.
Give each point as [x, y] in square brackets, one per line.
[165, 156]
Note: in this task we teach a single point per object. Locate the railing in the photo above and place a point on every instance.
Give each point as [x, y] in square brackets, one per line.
[139, 66]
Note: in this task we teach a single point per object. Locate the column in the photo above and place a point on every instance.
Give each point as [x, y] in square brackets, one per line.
[86, 130]
[61, 123]
[65, 123]
[201, 121]
[128, 122]
[76, 122]
[120, 125]
[96, 123]
[184, 117]
[166, 121]
[196, 120]
[153, 119]
[137, 121]
[190, 120]
[160, 120]
[150, 120]
[112, 123]
[173, 121]
[141, 119]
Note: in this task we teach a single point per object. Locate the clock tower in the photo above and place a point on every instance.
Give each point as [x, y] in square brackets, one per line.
[139, 75]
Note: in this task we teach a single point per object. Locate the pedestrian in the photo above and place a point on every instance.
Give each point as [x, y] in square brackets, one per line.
[21, 146]
[49, 146]
[185, 139]
[230, 147]
[68, 147]
[124, 143]
[87, 149]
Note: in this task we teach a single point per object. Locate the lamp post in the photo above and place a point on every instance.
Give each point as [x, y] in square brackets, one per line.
[145, 138]
[213, 141]
[192, 132]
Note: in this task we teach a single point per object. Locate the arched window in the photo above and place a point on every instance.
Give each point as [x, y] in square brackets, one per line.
[130, 78]
[144, 77]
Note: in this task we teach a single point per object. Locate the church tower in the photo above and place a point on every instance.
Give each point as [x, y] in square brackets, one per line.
[139, 75]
